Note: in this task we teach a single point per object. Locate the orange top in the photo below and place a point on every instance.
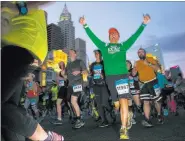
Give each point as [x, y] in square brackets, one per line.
[146, 72]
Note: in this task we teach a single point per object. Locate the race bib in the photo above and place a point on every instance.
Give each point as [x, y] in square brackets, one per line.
[46, 97]
[131, 83]
[122, 86]
[77, 88]
[61, 83]
[33, 101]
[97, 71]
[157, 89]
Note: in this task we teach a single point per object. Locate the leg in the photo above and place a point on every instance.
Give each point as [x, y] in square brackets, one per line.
[74, 101]
[98, 95]
[59, 109]
[145, 97]
[155, 92]
[137, 102]
[124, 111]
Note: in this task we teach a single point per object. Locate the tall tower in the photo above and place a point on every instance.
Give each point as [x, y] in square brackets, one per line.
[67, 30]
[80, 47]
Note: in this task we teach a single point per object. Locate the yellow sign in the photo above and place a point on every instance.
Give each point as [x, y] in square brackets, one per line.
[58, 56]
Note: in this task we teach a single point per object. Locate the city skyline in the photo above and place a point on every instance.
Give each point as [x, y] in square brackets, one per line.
[122, 16]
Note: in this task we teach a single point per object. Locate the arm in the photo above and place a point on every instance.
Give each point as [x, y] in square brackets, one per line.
[99, 44]
[127, 44]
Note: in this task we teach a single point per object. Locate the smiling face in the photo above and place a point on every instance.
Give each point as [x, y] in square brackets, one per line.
[113, 35]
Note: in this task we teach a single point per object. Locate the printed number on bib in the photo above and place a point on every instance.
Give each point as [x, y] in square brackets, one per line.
[61, 83]
[131, 82]
[122, 86]
[97, 71]
[157, 89]
[77, 88]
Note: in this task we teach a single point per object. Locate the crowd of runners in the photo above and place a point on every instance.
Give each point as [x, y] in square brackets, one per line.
[151, 95]
[112, 85]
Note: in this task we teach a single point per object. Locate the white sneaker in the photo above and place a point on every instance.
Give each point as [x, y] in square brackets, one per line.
[133, 121]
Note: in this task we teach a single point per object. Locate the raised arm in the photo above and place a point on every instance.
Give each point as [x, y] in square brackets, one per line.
[128, 43]
[99, 44]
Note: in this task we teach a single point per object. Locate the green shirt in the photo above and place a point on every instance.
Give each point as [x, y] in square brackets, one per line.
[114, 55]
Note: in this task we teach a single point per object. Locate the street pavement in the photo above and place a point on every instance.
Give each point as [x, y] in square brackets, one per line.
[172, 130]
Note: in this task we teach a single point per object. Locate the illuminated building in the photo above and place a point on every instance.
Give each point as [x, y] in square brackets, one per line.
[67, 29]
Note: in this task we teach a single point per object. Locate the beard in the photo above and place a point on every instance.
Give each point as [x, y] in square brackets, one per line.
[142, 57]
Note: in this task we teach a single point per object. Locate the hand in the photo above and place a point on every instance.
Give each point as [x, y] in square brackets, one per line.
[75, 73]
[134, 71]
[62, 72]
[102, 76]
[146, 19]
[82, 20]
[84, 72]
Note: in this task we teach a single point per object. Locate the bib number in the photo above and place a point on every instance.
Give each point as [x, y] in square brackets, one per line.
[157, 89]
[77, 88]
[131, 82]
[97, 71]
[61, 83]
[122, 86]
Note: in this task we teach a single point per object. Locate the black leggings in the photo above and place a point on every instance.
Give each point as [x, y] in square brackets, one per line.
[102, 99]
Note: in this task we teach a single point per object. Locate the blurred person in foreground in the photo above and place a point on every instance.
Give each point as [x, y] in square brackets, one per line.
[24, 38]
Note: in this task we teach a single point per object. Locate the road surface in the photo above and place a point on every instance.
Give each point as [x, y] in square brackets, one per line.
[172, 130]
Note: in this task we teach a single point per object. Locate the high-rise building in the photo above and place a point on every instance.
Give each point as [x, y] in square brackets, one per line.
[67, 29]
[156, 51]
[54, 37]
[80, 47]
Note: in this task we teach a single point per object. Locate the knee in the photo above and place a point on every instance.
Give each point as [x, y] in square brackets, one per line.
[117, 105]
[146, 102]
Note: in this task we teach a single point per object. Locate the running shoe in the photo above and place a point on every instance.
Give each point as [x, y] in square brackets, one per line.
[133, 121]
[160, 119]
[104, 124]
[79, 123]
[58, 122]
[147, 123]
[124, 134]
